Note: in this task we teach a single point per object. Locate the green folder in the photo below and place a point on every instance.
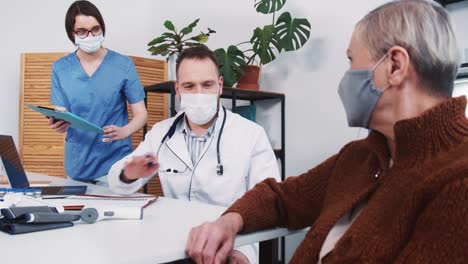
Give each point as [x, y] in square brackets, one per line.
[74, 120]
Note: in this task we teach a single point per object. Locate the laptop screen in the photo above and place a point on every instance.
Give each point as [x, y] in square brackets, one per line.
[12, 163]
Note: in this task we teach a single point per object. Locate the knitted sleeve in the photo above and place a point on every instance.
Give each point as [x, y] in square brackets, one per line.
[294, 203]
[441, 232]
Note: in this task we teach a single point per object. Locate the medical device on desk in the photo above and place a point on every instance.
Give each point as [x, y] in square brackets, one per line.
[92, 215]
[171, 131]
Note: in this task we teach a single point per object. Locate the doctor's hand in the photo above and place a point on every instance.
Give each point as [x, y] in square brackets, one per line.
[212, 242]
[58, 125]
[113, 133]
[140, 167]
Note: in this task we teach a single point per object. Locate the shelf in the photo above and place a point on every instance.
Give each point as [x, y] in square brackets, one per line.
[448, 2]
[168, 87]
[164, 87]
[249, 94]
[462, 71]
[278, 153]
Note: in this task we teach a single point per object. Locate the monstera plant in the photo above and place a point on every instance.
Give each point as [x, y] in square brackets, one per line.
[284, 34]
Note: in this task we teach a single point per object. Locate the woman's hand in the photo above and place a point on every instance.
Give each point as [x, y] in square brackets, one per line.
[237, 257]
[59, 125]
[213, 242]
[113, 133]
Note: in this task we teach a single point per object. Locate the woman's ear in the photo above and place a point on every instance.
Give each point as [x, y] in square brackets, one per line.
[400, 63]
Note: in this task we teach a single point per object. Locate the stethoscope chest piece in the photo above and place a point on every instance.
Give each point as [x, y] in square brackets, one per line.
[219, 169]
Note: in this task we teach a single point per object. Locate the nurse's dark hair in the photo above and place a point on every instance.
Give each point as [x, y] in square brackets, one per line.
[85, 8]
[199, 52]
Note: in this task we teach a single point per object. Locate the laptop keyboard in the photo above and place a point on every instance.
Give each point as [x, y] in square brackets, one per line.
[52, 190]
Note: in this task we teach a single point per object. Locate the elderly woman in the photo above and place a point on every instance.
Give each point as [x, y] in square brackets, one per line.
[401, 194]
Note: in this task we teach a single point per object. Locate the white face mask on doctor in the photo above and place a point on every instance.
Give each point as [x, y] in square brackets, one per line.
[200, 108]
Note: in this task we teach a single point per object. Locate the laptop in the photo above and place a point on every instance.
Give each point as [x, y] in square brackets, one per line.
[17, 176]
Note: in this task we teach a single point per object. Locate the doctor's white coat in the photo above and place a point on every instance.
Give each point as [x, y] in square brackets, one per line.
[245, 152]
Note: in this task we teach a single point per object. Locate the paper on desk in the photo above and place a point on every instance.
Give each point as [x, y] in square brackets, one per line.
[77, 202]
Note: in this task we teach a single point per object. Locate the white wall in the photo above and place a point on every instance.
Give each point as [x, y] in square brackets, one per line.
[459, 15]
[316, 126]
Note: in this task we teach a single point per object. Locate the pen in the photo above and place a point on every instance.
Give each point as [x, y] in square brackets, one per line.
[55, 197]
[151, 163]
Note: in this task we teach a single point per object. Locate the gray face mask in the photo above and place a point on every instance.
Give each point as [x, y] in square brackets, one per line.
[359, 95]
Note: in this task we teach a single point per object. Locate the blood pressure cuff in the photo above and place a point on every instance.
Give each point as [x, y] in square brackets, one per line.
[14, 221]
[16, 228]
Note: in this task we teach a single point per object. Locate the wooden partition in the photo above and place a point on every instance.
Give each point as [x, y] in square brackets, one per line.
[41, 149]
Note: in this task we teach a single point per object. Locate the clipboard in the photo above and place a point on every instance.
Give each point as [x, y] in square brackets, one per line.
[74, 120]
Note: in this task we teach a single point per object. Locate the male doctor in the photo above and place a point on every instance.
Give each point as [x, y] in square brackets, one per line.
[205, 153]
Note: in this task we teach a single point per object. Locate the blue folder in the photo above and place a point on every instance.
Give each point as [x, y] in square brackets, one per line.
[74, 120]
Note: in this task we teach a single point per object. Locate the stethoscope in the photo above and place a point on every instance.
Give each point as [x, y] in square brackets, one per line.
[171, 131]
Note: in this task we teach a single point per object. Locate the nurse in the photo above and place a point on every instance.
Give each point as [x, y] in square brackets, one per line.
[205, 153]
[95, 83]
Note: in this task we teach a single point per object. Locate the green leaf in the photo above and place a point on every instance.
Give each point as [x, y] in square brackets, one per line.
[188, 29]
[157, 40]
[268, 6]
[291, 34]
[201, 38]
[264, 43]
[168, 34]
[159, 50]
[230, 63]
[168, 24]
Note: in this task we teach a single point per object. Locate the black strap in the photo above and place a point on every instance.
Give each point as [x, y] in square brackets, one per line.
[220, 169]
[172, 129]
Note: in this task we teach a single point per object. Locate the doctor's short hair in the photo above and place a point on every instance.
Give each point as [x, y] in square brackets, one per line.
[424, 29]
[199, 52]
[82, 8]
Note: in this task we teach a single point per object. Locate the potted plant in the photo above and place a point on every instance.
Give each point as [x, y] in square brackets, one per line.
[169, 44]
[282, 35]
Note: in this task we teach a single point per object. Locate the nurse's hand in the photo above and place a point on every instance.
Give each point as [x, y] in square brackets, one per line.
[113, 133]
[212, 242]
[140, 167]
[58, 125]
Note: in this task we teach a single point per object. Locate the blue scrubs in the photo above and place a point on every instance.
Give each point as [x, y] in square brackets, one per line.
[100, 99]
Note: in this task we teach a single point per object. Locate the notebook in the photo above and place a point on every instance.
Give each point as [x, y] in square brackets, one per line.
[17, 176]
[78, 202]
[74, 120]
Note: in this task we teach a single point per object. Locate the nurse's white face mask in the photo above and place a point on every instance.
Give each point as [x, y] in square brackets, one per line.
[90, 44]
[200, 108]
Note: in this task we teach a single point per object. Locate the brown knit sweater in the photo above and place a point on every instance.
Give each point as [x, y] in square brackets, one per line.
[417, 211]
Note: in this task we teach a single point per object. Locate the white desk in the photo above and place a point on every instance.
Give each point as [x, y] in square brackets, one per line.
[159, 237]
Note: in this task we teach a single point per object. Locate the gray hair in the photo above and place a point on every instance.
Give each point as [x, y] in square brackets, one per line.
[424, 29]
